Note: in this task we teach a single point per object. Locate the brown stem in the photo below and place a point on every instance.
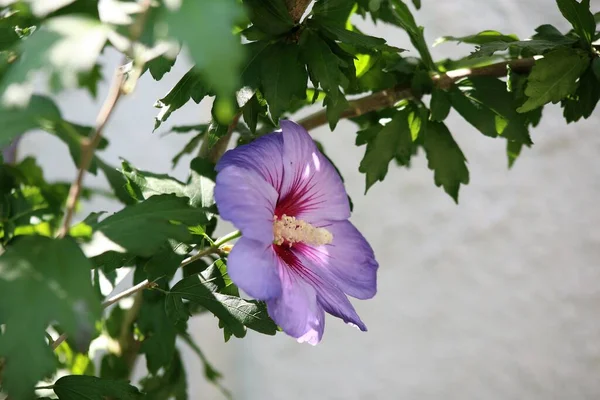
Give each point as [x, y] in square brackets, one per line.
[136, 289]
[89, 145]
[296, 8]
[388, 97]
[215, 153]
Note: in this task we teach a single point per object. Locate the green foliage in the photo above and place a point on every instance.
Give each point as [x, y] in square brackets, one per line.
[445, 159]
[52, 277]
[554, 77]
[252, 60]
[89, 387]
[235, 314]
[580, 16]
[161, 217]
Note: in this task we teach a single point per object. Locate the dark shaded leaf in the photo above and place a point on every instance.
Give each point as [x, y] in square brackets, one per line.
[440, 105]
[170, 384]
[52, 277]
[513, 150]
[383, 146]
[234, 313]
[487, 105]
[445, 159]
[144, 228]
[583, 102]
[580, 16]
[159, 333]
[283, 77]
[159, 66]
[219, 57]
[190, 86]
[270, 16]
[16, 121]
[554, 77]
[75, 387]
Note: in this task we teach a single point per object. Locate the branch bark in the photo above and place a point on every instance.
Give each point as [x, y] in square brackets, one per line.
[89, 145]
[296, 8]
[388, 97]
[216, 248]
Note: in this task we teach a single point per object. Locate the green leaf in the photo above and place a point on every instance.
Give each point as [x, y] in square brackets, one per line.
[584, 101]
[486, 104]
[210, 373]
[270, 16]
[51, 48]
[40, 110]
[75, 387]
[117, 182]
[234, 313]
[149, 184]
[324, 69]
[159, 333]
[169, 384]
[596, 68]
[440, 105]
[323, 64]
[283, 77]
[404, 18]
[335, 108]
[516, 84]
[159, 66]
[190, 147]
[445, 158]
[554, 77]
[190, 86]
[383, 147]
[51, 276]
[580, 16]
[90, 79]
[144, 228]
[332, 12]
[480, 38]
[513, 150]
[534, 46]
[219, 57]
[164, 263]
[550, 33]
[252, 109]
[202, 183]
[360, 40]
[217, 280]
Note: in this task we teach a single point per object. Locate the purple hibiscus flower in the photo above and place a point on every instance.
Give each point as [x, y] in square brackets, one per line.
[298, 252]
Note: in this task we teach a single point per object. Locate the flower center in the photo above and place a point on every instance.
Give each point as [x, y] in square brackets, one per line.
[292, 230]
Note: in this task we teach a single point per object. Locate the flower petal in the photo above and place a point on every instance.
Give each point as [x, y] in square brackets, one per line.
[335, 302]
[248, 201]
[314, 335]
[252, 266]
[311, 189]
[264, 155]
[349, 260]
[296, 311]
[329, 295]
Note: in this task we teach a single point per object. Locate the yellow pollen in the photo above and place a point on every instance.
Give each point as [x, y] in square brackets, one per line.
[292, 230]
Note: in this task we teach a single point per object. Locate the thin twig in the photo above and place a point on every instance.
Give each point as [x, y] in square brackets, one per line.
[388, 97]
[126, 293]
[145, 284]
[89, 145]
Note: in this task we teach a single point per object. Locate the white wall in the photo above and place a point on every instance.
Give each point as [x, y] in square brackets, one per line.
[496, 298]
